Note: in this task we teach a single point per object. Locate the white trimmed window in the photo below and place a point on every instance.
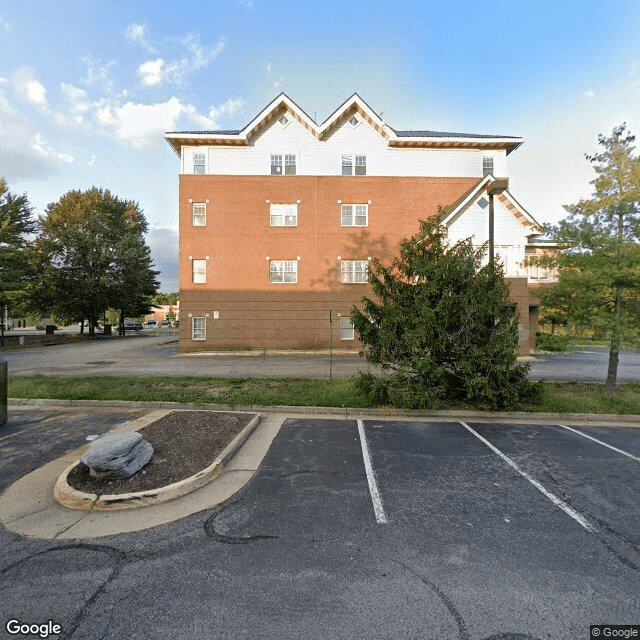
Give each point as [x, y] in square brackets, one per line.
[353, 271]
[355, 215]
[199, 271]
[283, 271]
[198, 328]
[283, 215]
[346, 328]
[199, 214]
[487, 166]
[354, 165]
[199, 166]
[283, 164]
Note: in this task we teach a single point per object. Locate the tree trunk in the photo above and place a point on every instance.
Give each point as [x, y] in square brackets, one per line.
[614, 347]
[121, 324]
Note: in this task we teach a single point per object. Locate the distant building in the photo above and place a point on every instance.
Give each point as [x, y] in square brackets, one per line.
[279, 220]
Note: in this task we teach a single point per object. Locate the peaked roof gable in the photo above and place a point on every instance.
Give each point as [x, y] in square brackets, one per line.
[457, 209]
[355, 104]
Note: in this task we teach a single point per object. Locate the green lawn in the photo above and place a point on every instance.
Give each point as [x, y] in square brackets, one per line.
[561, 397]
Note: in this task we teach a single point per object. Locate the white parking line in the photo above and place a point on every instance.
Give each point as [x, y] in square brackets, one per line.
[559, 503]
[604, 444]
[381, 518]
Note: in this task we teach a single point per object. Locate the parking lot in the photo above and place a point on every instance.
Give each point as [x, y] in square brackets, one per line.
[364, 528]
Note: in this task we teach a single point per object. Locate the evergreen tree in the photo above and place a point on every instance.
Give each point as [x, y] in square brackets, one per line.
[16, 224]
[443, 325]
[599, 260]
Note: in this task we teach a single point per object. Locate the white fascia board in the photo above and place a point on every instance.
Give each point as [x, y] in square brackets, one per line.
[521, 209]
[468, 199]
[357, 100]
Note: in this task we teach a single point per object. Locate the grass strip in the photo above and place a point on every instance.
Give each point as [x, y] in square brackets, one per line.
[557, 397]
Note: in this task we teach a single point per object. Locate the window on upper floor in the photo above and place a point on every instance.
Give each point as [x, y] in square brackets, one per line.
[199, 328]
[353, 271]
[199, 214]
[487, 166]
[355, 215]
[199, 271]
[199, 166]
[346, 328]
[354, 165]
[283, 215]
[283, 271]
[278, 168]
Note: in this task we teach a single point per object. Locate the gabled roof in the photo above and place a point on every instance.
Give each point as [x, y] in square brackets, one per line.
[451, 213]
[355, 104]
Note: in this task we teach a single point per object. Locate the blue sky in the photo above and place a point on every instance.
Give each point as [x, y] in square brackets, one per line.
[88, 87]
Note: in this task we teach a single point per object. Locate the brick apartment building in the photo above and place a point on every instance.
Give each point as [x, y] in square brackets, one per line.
[278, 221]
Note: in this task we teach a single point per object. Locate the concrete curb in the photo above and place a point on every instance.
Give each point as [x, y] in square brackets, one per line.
[478, 416]
[74, 499]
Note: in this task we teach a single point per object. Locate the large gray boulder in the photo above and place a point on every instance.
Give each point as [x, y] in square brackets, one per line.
[117, 455]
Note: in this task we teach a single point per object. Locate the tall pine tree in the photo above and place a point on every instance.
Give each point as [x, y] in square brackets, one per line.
[599, 257]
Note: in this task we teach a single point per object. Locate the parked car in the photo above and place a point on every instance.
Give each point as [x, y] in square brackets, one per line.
[151, 323]
[132, 325]
[165, 323]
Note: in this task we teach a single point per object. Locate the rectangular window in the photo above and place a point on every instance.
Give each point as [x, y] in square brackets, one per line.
[355, 215]
[289, 164]
[283, 215]
[198, 163]
[348, 165]
[199, 271]
[283, 271]
[353, 271]
[346, 328]
[198, 328]
[199, 214]
[276, 165]
[487, 166]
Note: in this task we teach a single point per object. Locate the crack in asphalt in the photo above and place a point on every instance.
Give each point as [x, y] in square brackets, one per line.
[213, 530]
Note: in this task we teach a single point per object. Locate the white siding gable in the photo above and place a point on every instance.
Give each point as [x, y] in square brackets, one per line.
[510, 237]
[324, 157]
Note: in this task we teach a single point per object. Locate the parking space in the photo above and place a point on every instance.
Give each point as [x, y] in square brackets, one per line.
[526, 528]
[374, 528]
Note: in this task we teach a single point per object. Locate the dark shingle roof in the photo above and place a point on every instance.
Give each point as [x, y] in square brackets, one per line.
[445, 134]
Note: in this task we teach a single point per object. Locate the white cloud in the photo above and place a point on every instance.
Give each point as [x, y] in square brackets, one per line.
[176, 71]
[229, 108]
[142, 125]
[4, 24]
[152, 72]
[99, 74]
[29, 87]
[138, 33]
[48, 152]
[589, 93]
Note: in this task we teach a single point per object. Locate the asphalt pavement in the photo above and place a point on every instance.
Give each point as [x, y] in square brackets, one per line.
[365, 527]
[149, 354]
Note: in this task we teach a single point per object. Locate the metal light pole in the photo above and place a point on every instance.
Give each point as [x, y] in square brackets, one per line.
[494, 189]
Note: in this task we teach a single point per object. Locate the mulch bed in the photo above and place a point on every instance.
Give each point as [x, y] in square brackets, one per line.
[184, 443]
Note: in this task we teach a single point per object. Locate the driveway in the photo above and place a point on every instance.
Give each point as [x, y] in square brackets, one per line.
[159, 355]
[368, 528]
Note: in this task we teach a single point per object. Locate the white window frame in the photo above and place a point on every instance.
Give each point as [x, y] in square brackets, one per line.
[487, 166]
[199, 218]
[350, 216]
[198, 271]
[354, 164]
[354, 271]
[283, 271]
[199, 328]
[347, 331]
[283, 215]
[201, 166]
[282, 163]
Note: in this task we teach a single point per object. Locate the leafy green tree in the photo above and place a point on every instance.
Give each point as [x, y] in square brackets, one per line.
[91, 256]
[16, 225]
[599, 260]
[443, 325]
